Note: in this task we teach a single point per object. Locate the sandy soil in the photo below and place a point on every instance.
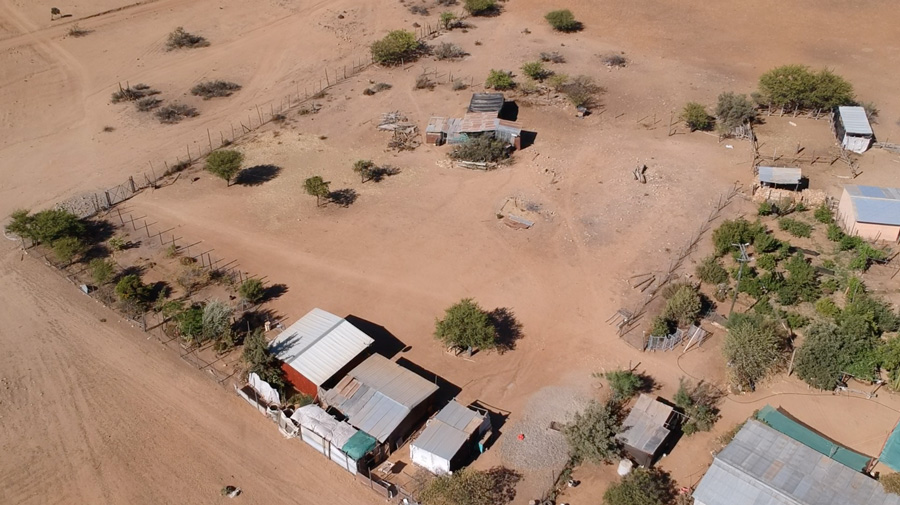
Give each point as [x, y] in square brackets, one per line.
[410, 245]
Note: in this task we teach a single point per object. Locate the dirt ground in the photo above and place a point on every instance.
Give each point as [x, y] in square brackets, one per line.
[408, 246]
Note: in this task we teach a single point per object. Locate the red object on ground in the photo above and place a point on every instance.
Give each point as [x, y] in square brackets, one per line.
[521, 436]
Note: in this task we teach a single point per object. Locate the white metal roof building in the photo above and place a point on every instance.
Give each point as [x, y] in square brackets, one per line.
[762, 466]
[445, 437]
[852, 128]
[378, 396]
[871, 212]
[317, 347]
[779, 176]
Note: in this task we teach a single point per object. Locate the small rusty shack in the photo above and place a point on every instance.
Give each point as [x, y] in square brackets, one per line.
[481, 118]
[646, 430]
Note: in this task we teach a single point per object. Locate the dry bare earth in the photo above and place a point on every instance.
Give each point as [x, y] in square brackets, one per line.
[412, 244]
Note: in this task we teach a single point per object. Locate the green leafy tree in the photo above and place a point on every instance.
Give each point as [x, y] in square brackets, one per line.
[695, 117]
[624, 383]
[67, 248]
[46, 226]
[499, 80]
[480, 7]
[467, 486]
[683, 306]
[396, 47]
[563, 21]
[130, 288]
[641, 487]
[591, 434]
[733, 110]
[829, 91]
[737, 231]
[260, 361]
[753, 348]
[365, 169]
[466, 325]
[317, 187]
[102, 270]
[819, 360]
[711, 271]
[252, 290]
[190, 324]
[224, 164]
[698, 401]
[796, 87]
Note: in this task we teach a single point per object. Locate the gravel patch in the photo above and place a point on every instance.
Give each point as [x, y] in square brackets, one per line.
[542, 447]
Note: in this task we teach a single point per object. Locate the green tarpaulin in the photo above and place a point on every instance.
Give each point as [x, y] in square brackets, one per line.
[890, 455]
[359, 445]
[809, 438]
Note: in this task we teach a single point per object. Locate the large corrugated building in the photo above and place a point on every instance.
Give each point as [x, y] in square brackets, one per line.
[318, 349]
[382, 398]
[871, 212]
[448, 438]
[762, 466]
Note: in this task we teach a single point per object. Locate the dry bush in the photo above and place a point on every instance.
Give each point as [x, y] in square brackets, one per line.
[132, 93]
[553, 57]
[173, 113]
[614, 60]
[377, 88]
[147, 104]
[418, 9]
[582, 91]
[448, 51]
[77, 31]
[213, 89]
[423, 82]
[180, 39]
[459, 85]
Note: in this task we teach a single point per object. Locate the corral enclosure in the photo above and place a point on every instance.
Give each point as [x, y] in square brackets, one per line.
[415, 242]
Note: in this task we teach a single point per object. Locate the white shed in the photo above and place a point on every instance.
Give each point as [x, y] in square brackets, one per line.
[444, 440]
[852, 128]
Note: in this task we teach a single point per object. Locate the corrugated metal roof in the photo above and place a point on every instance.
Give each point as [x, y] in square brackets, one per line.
[877, 205]
[779, 175]
[645, 427]
[764, 467]
[319, 344]
[486, 102]
[436, 125]
[459, 417]
[474, 122]
[396, 382]
[855, 120]
[448, 430]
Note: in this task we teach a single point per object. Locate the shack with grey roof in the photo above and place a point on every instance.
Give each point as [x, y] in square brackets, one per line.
[852, 129]
[646, 430]
[449, 438]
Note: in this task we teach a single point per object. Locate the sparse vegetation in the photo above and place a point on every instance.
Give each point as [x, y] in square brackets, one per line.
[467, 486]
[423, 82]
[535, 70]
[823, 214]
[376, 88]
[734, 110]
[317, 187]
[616, 60]
[466, 326]
[698, 402]
[133, 93]
[482, 149]
[581, 91]
[213, 89]
[695, 117]
[77, 31]
[224, 164]
[179, 39]
[796, 87]
[563, 21]
[459, 85]
[396, 47]
[364, 168]
[553, 57]
[481, 7]
[500, 80]
[174, 113]
[890, 482]
[795, 227]
[448, 51]
[147, 104]
[591, 434]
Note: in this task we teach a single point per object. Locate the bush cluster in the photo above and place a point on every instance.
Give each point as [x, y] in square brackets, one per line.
[795, 227]
[500, 80]
[695, 117]
[481, 149]
[213, 89]
[481, 7]
[396, 47]
[563, 21]
[796, 87]
[181, 39]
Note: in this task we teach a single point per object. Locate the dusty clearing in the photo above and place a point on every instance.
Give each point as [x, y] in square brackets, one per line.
[93, 412]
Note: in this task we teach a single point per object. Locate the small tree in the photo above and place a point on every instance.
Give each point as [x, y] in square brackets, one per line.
[480, 7]
[130, 288]
[698, 402]
[46, 226]
[448, 19]
[396, 47]
[563, 21]
[683, 306]
[252, 291]
[591, 434]
[642, 486]
[711, 271]
[101, 270]
[190, 324]
[216, 320]
[535, 70]
[624, 383]
[260, 361]
[695, 117]
[753, 347]
[224, 164]
[734, 110]
[365, 169]
[496, 486]
[317, 187]
[466, 326]
[67, 248]
[500, 80]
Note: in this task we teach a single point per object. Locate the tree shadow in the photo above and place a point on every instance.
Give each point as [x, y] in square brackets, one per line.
[98, 231]
[508, 328]
[130, 270]
[343, 197]
[159, 289]
[251, 320]
[274, 291]
[256, 175]
[384, 342]
[379, 174]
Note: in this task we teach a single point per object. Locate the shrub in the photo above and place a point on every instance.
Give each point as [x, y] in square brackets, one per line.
[684, 306]
[396, 47]
[260, 361]
[77, 31]
[535, 70]
[466, 326]
[641, 487]
[614, 60]
[890, 483]
[459, 85]
[765, 209]
[711, 271]
[448, 51]
[499, 80]
[467, 486]
[175, 112]
[557, 81]
[480, 7]
[67, 248]
[179, 39]
[133, 93]
[695, 117]
[591, 434]
[224, 164]
[734, 110]
[216, 320]
[317, 187]
[766, 262]
[212, 89]
[101, 270]
[823, 214]
[624, 383]
[738, 231]
[581, 91]
[190, 324]
[448, 19]
[794, 227]
[563, 21]
[148, 104]
[660, 326]
[252, 290]
[753, 347]
[827, 308]
[795, 87]
[822, 356]
[553, 57]
[364, 168]
[423, 82]
[130, 288]
[482, 149]
[699, 405]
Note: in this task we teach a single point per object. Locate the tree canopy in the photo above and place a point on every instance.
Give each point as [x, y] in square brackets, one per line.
[641, 487]
[796, 87]
[496, 486]
[46, 226]
[753, 347]
[466, 325]
[260, 361]
[317, 187]
[252, 290]
[591, 434]
[395, 47]
[224, 164]
[734, 110]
